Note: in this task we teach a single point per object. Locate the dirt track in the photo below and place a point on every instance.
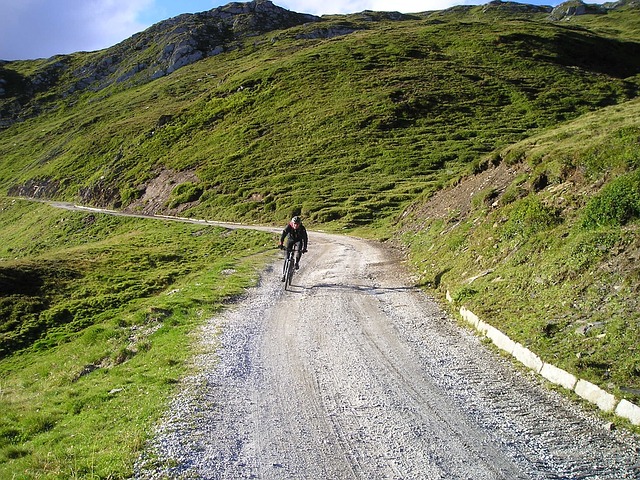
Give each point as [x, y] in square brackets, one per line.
[354, 374]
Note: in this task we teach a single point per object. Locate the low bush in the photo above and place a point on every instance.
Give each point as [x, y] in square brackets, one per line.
[185, 193]
[616, 204]
[528, 217]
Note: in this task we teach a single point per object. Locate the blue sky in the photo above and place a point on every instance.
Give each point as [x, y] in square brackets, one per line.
[42, 28]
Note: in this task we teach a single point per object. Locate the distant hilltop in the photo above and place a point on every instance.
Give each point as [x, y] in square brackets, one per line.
[180, 41]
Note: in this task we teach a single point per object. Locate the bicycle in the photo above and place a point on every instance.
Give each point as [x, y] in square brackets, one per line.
[289, 265]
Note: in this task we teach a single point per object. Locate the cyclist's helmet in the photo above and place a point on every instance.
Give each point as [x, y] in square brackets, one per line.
[295, 222]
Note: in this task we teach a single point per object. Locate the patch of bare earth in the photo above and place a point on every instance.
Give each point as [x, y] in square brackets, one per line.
[456, 202]
[157, 192]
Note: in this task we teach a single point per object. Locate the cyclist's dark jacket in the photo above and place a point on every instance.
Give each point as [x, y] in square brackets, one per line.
[294, 235]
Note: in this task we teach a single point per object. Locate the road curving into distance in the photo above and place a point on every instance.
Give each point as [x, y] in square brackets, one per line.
[355, 374]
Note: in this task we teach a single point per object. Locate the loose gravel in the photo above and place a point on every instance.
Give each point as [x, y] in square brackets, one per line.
[356, 375]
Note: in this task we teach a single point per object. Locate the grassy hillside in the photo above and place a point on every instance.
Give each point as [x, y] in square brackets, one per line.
[348, 130]
[499, 147]
[545, 246]
[97, 316]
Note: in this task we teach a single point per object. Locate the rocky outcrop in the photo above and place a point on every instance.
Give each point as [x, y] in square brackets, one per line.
[622, 4]
[353, 23]
[573, 8]
[160, 50]
[183, 40]
[191, 37]
[514, 7]
[35, 188]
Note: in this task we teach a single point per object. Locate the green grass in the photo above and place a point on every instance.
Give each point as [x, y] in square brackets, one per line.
[99, 330]
[394, 110]
[356, 133]
[554, 265]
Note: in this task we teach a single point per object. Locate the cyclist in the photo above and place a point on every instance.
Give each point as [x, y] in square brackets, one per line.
[295, 232]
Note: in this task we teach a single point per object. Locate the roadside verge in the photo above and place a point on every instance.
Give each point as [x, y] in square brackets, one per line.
[604, 400]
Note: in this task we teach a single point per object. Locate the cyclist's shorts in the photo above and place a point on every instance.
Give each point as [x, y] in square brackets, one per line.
[289, 243]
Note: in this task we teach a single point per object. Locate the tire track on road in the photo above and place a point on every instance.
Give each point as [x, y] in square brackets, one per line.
[354, 374]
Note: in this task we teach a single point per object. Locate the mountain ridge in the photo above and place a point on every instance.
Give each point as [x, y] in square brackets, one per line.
[157, 51]
[182, 40]
[410, 76]
[496, 148]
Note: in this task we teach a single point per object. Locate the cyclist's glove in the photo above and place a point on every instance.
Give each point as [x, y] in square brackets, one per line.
[304, 251]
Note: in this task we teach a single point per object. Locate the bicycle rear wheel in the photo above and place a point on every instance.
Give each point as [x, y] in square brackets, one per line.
[288, 271]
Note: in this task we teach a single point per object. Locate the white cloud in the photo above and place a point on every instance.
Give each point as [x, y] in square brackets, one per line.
[121, 18]
[322, 7]
[41, 28]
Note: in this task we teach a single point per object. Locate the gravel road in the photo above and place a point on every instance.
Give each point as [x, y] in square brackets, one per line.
[355, 374]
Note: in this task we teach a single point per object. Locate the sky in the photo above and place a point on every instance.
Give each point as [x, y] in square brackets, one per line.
[42, 28]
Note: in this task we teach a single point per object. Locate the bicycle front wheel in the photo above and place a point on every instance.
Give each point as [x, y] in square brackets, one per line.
[287, 271]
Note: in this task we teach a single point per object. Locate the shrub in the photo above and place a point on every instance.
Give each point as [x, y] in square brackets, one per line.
[485, 198]
[464, 293]
[516, 190]
[589, 249]
[328, 214]
[129, 194]
[617, 203]
[618, 152]
[514, 155]
[530, 216]
[513, 193]
[185, 193]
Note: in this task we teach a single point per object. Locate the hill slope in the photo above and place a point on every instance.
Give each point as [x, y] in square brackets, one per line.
[348, 129]
[545, 245]
[497, 144]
